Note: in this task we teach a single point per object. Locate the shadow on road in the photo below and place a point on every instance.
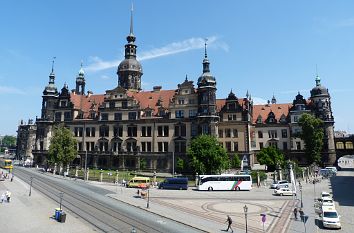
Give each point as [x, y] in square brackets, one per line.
[342, 187]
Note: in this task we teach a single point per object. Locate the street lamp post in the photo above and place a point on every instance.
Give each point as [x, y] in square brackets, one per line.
[30, 191]
[148, 199]
[245, 209]
[300, 186]
[61, 194]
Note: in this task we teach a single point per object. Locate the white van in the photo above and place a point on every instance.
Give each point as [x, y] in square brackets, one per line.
[330, 217]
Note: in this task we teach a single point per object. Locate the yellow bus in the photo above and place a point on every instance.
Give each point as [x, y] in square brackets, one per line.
[6, 164]
[139, 182]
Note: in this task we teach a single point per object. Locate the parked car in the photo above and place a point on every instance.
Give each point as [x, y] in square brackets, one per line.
[284, 192]
[333, 169]
[275, 184]
[325, 194]
[330, 218]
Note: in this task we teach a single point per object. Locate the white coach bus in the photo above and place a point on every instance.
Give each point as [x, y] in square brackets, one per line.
[229, 182]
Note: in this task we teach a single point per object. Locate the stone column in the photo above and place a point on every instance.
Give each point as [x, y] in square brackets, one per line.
[196, 179]
[60, 169]
[55, 169]
[117, 176]
[87, 174]
[76, 172]
[101, 175]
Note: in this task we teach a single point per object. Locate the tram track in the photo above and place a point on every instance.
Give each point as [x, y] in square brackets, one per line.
[98, 211]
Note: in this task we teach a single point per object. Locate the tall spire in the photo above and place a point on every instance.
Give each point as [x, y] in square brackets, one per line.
[131, 21]
[131, 37]
[206, 63]
[81, 71]
[53, 64]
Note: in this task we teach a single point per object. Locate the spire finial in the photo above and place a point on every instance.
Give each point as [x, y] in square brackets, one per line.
[247, 94]
[186, 78]
[318, 79]
[131, 19]
[81, 63]
[53, 64]
[205, 47]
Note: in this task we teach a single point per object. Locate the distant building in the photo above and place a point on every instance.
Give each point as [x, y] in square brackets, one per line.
[125, 125]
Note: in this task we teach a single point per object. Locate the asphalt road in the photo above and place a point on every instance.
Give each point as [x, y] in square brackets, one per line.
[91, 204]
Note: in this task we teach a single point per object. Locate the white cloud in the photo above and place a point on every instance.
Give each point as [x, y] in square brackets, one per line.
[258, 100]
[345, 23]
[170, 49]
[10, 90]
[105, 77]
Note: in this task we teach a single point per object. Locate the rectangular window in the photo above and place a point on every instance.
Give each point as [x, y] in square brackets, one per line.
[227, 133]
[132, 131]
[272, 134]
[205, 129]
[194, 130]
[117, 116]
[148, 113]
[104, 116]
[162, 131]
[103, 146]
[298, 145]
[181, 101]
[179, 114]
[117, 146]
[260, 134]
[261, 145]
[79, 146]
[63, 103]
[193, 113]
[146, 146]
[118, 131]
[235, 133]
[180, 130]
[228, 146]
[284, 133]
[165, 146]
[235, 146]
[132, 115]
[159, 146]
[124, 104]
[180, 147]
[78, 131]
[112, 104]
[146, 131]
[67, 116]
[221, 133]
[285, 146]
[58, 116]
[104, 131]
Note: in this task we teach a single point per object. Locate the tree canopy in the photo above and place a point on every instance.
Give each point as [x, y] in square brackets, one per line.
[312, 134]
[62, 147]
[235, 161]
[9, 141]
[207, 156]
[271, 157]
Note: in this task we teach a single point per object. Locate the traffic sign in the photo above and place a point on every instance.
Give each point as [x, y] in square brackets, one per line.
[263, 217]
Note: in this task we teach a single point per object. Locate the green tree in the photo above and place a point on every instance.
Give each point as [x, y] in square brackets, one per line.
[143, 163]
[207, 156]
[180, 164]
[271, 157]
[9, 141]
[235, 161]
[312, 134]
[62, 147]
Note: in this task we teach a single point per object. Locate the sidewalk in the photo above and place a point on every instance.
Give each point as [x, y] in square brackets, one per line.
[33, 213]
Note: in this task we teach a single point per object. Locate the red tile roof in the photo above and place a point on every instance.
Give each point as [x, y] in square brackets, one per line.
[264, 110]
[150, 98]
[85, 102]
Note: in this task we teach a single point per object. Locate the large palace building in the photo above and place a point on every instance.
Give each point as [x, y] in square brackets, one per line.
[122, 127]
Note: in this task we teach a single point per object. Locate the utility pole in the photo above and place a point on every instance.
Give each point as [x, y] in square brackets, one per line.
[173, 163]
[30, 191]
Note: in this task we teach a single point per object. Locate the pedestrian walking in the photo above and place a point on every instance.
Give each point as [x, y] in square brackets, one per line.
[8, 195]
[2, 197]
[229, 222]
[12, 177]
[295, 213]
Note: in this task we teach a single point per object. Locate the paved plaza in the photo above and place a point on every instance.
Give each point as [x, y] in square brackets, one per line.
[202, 209]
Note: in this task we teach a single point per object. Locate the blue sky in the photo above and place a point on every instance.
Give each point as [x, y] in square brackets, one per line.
[264, 47]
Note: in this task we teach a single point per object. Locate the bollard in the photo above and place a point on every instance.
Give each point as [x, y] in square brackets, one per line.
[76, 172]
[101, 175]
[87, 174]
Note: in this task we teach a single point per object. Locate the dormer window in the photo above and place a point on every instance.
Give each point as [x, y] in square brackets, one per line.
[63, 103]
[259, 120]
[181, 101]
[148, 113]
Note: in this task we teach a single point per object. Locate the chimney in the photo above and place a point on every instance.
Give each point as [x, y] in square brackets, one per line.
[157, 88]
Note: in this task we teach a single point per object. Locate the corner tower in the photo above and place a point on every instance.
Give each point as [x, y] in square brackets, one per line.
[129, 70]
[207, 117]
[322, 109]
[80, 82]
[49, 98]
